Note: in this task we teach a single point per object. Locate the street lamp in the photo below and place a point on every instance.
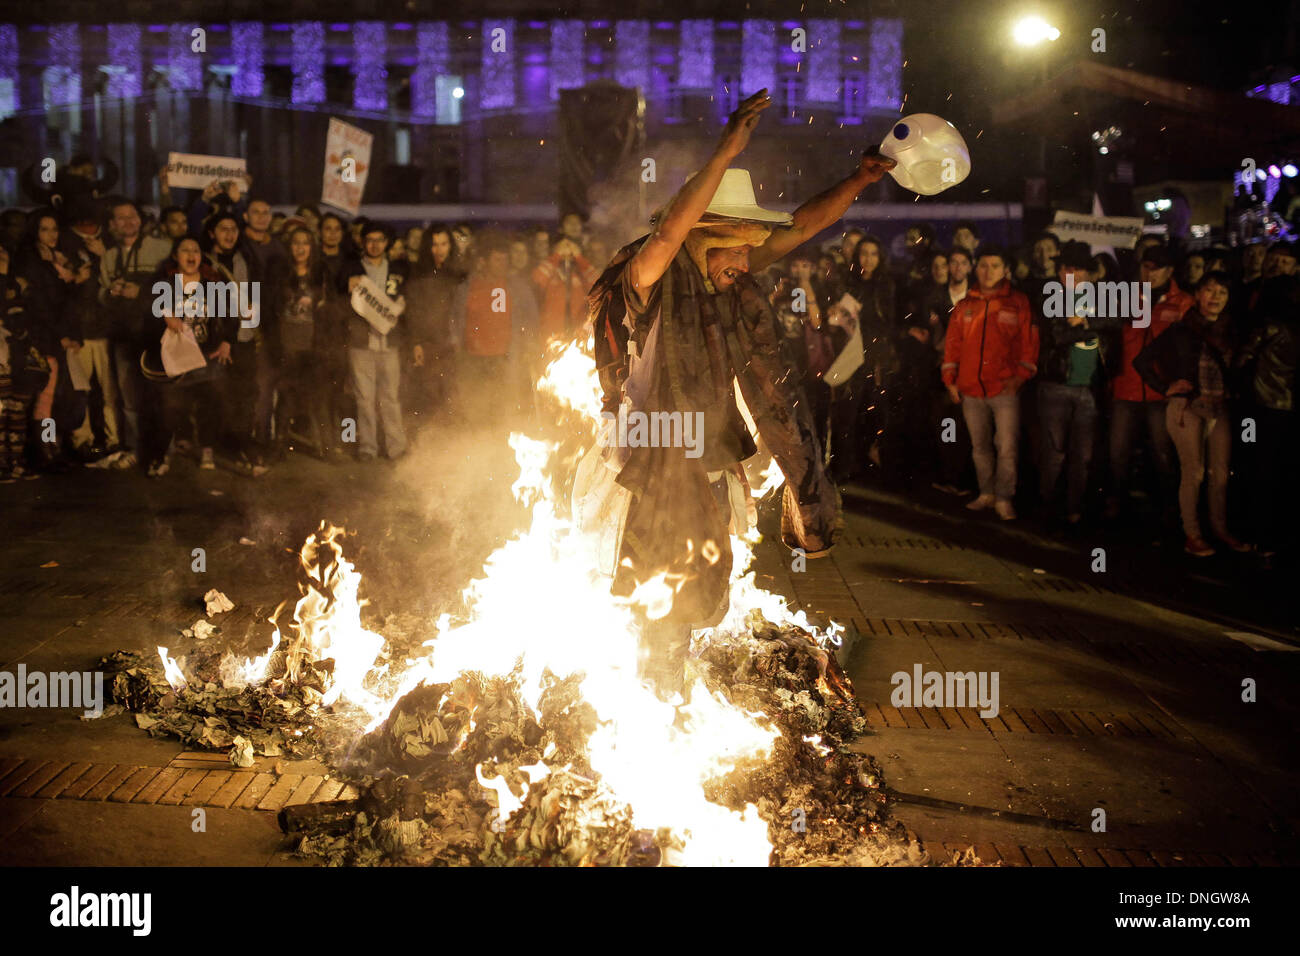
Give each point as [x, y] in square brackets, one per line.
[1031, 31]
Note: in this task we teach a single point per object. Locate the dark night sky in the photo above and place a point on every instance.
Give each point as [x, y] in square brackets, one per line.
[965, 48]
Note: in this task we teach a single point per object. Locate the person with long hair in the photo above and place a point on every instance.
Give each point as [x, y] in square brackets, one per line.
[858, 414]
[49, 279]
[196, 392]
[430, 295]
[1188, 363]
[248, 384]
[297, 301]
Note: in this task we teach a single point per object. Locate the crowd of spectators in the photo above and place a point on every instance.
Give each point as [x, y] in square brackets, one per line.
[86, 375]
[975, 376]
[958, 366]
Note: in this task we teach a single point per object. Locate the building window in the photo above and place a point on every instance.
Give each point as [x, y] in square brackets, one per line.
[728, 94]
[789, 96]
[854, 102]
[673, 102]
[402, 146]
[449, 92]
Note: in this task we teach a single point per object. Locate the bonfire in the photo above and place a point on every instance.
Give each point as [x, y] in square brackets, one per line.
[519, 732]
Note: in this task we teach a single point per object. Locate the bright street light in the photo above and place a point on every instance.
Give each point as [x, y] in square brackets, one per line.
[1032, 31]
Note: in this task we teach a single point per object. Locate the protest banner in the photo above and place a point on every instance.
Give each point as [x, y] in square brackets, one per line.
[347, 164]
[192, 171]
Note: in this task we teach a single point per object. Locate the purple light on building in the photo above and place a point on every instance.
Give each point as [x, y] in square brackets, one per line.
[369, 69]
[308, 62]
[695, 55]
[185, 68]
[1280, 93]
[63, 75]
[632, 53]
[8, 69]
[567, 39]
[885, 64]
[248, 45]
[431, 54]
[498, 64]
[757, 57]
[824, 61]
[124, 52]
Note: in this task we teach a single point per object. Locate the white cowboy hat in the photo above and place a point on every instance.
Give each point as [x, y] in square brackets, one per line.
[735, 200]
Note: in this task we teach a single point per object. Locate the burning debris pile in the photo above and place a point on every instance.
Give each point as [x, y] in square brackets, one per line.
[426, 800]
[520, 734]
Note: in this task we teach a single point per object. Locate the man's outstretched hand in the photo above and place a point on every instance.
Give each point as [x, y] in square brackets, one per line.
[873, 165]
[741, 124]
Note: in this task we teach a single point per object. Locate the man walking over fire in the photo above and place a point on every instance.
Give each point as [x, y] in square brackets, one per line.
[678, 319]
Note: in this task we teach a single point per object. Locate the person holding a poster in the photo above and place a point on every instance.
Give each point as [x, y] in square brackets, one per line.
[197, 388]
[373, 354]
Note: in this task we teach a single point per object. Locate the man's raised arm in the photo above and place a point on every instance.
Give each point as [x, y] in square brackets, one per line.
[686, 208]
[820, 211]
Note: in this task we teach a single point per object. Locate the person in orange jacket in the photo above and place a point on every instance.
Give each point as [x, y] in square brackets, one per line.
[991, 350]
[1134, 402]
[562, 281]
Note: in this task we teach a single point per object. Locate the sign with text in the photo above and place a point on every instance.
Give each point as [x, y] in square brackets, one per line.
[1119, 232]
[369, 302]
[347, 164]
[190, 171]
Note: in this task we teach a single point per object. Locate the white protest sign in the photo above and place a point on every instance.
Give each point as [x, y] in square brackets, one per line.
[181, 353]
[347, 164]
[77, 371]
[191, 171]
[847, 362]
[369, 302]
[1115, 231]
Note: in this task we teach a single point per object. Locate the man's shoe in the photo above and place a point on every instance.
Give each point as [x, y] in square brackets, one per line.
[982, 503]
[1003, 507]
[125, 461]
[207, 462]
[1198, 547]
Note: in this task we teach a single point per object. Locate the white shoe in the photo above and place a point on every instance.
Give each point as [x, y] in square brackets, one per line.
[982, 503]
[207, 463]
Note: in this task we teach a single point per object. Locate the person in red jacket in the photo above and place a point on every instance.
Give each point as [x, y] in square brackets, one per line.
[991, 350]
[1134, 402]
